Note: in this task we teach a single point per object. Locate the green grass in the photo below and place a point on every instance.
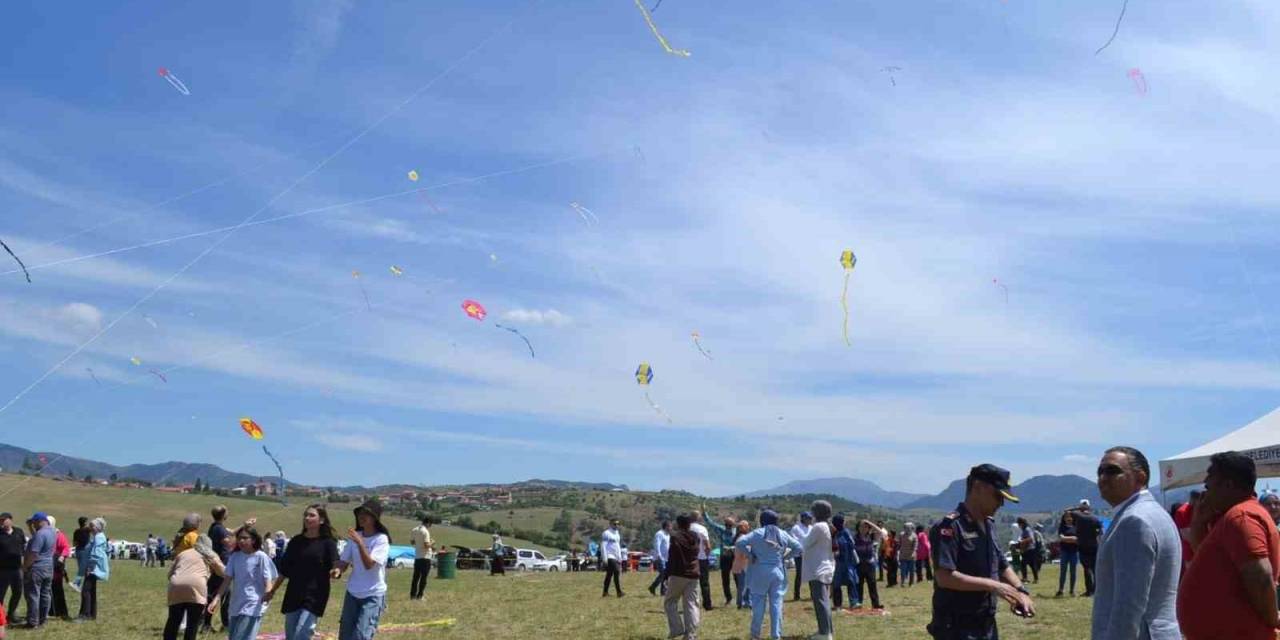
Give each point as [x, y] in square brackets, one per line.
[565, 605]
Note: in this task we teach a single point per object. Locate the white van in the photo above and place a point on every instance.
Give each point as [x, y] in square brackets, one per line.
[530, 560]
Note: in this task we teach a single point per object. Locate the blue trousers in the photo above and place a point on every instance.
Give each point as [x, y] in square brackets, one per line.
[772, 587]
[300, 625]
[243, 627]
[360, 617]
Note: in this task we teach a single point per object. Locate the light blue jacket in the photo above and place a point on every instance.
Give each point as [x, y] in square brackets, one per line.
[767, 547]
[1139, 563]
[95, 558]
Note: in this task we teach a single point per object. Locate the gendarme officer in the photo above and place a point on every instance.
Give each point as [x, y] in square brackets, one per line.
[969, 567]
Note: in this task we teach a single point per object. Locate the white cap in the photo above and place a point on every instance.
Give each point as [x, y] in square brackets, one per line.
[1084, 502]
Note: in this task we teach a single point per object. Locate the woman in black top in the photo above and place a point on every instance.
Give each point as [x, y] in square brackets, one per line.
[1068, 551]
[308, 565]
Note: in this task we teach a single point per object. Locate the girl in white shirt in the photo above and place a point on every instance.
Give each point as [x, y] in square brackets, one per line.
[366, 554]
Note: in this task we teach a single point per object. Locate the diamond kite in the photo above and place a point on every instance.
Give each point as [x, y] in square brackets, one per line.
[397, 270]
[250, 427]
[644, 375]
[413, 175]
[474, 309]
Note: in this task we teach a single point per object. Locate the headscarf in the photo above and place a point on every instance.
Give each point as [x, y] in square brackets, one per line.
[837, 521]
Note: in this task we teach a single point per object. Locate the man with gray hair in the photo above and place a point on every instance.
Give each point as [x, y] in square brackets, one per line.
[819, 567]
[1139, 560]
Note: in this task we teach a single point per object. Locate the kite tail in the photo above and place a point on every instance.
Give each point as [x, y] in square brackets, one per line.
[20, 263]
[657, 34]
[700, 350]
[844, 303]
[281, 472]
[657, 408]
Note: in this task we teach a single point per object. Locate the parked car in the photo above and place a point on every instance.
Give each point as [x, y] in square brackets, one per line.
[530, 560]
[402, 562]
[469, 558]
[554, 563]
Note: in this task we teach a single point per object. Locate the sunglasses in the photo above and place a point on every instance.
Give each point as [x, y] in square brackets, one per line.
[1110, 470]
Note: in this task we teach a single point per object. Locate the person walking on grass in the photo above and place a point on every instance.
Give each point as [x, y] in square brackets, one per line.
[249, 575]
[800, 531]
[61, 551]
[95, 569]
[309, 565]
[37, 567]
[908, 547]
[366, 553]
[820, 567]
[846, 575]
[661, 550]
[1068, 552]
[766, 575]
[1140, 558]
[1228, 591]
[683, 571]
[423, 554]
[612, 549]
[13, 543]
[189, 588]
[864, 546]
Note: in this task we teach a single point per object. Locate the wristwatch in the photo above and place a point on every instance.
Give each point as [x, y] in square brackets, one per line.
[1023, 589]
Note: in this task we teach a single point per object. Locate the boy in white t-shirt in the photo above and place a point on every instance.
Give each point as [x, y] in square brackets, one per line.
[366, 554]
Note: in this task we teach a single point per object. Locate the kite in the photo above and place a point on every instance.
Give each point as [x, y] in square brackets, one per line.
[1117, 31]
[397, 270]
[696, 337]
[474, 309]
[585, 212]
[1139, 81]
[493, 257]
[654, 28]
[91, 375]
[517, 332]
[413, 175]
[136, 361]
[158, 375]
[996, 282]
[279, 469]
[644, 375]
[847, 260]
[15, 257]
[173, 80]
[150, 321]
[890, 71]
[250, 427]
[356, 275]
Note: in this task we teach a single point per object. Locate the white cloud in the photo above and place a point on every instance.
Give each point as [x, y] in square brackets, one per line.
[350, 442]
[82, 315]
[550, 317]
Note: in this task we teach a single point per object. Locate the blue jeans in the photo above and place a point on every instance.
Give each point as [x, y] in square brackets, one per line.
[906, 571]
[1069, 559]
[39, 593]
[360, 617]
[775, 592]
[300, 625]
[243, 627]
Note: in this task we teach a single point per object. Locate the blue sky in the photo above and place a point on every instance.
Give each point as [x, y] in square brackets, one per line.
[1134, 233]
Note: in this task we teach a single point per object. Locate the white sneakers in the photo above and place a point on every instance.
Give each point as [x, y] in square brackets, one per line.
[820, 636]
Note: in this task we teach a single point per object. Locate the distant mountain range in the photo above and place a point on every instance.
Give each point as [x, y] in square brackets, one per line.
[853, 489]
[12, 459]
[1037, 494]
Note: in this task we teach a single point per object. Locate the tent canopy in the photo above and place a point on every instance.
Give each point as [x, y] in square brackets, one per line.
[1259, 440]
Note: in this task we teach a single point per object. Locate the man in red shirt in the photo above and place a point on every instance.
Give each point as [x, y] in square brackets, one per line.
[1182, 519]
[1229, 590]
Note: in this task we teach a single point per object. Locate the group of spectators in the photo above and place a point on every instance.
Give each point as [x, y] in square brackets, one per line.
[33, 567]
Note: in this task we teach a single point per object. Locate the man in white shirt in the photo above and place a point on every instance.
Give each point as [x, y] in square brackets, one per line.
[612, 549]
[800, 531]
[704, 552]
[661, 547]
[423, 554]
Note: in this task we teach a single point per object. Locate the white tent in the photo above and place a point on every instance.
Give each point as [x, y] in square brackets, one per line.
[1259, 440]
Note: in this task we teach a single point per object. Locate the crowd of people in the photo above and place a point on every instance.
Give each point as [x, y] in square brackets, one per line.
[1202, 570]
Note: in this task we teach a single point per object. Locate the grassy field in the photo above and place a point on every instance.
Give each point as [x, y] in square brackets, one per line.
[566, 605]
[133, 513]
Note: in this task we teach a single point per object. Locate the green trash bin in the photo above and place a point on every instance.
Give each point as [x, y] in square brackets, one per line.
[448, 565]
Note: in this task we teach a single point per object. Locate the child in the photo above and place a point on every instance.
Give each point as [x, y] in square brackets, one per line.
[250, 572]
[366, 553]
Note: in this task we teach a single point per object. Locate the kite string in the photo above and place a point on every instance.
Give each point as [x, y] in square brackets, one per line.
[1117, 30]
[299, 214]
[217, 243]
[844, 303]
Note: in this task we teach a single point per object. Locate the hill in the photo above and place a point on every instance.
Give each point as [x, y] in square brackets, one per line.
[854, 489]
[1038, 494]
[13, 458]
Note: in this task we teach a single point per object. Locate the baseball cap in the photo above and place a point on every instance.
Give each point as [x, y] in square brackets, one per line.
[39, 516]
[994, 476]
[1084, 502]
